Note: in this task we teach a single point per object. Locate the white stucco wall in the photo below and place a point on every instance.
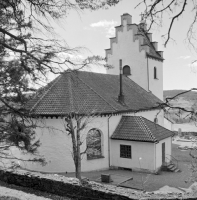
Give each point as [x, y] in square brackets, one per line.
[127, 46]
[143, 150]
[57, 146]
[156, 85]
[138, 146]
[168, 124]
[150, 115]
[128, 50]
[168, 151]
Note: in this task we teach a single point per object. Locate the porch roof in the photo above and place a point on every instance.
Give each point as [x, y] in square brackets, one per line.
[140, 129]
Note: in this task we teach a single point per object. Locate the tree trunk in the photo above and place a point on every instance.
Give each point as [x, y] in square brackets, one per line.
[76, 142]
[78, 151]
[74, 131]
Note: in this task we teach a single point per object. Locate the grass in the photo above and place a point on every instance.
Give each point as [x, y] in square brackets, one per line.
[8, 198]
[30, 191]
[181, 156]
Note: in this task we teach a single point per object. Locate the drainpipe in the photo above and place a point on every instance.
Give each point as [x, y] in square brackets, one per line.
[120, 96]
[155, 157]
[147, 72]
[108, 141]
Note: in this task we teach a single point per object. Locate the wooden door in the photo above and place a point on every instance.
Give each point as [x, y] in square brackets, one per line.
[163, 153]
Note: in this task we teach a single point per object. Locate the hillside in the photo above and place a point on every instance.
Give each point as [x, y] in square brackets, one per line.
[187, 100]
[190, 96]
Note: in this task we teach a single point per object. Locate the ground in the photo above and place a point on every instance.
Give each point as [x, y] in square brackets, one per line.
[149, 182]
[13, 192]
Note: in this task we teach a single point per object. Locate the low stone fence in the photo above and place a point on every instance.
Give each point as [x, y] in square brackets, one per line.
[64, 186]
[71, 187]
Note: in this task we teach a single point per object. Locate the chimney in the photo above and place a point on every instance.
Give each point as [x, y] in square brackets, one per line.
[126, 17]
[121, 96]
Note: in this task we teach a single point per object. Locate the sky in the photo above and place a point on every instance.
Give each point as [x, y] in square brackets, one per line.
[92, 30]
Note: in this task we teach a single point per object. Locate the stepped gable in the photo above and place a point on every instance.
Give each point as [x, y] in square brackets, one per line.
[86, 92]
[139, 33]
[136, 128]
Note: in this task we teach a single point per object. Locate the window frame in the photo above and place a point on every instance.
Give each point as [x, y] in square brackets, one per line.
[155, 73]
[156, 120]
[126, 74]
[92, 156]
[125, 151]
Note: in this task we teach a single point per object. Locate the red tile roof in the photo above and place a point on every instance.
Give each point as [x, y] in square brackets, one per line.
[136, 128]
[86, 92]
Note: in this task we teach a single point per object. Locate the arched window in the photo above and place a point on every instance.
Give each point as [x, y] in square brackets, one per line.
[126, 70]
[155, 73]
[94, 144]
[156, 120]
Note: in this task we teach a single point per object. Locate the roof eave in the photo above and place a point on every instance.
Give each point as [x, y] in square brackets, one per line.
[97, 113]
[165, 137]
[134, 140]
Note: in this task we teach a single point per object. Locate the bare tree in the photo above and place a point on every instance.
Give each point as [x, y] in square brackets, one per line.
[190, 113]
[27, 56]
[75, 125]
[157, 11]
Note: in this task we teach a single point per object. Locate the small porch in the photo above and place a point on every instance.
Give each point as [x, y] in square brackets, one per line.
[140, 144]
[150, 182]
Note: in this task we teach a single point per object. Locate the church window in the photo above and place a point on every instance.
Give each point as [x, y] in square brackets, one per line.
[125, 151]
[155, 73]
[126, 70]
[94, 144]
[156, 120]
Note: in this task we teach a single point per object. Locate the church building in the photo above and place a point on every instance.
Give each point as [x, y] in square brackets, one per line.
[125, 126]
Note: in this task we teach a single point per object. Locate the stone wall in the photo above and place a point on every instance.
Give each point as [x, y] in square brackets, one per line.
[87, 190]
[64, 186]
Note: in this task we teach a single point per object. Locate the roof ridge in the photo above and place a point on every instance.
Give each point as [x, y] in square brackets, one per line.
[96, 92]
[91, 72]
[39, 100]
[158, 125]
[147, 128]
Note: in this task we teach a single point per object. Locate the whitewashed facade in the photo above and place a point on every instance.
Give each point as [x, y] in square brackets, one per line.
[129, 46]
[56, 147]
